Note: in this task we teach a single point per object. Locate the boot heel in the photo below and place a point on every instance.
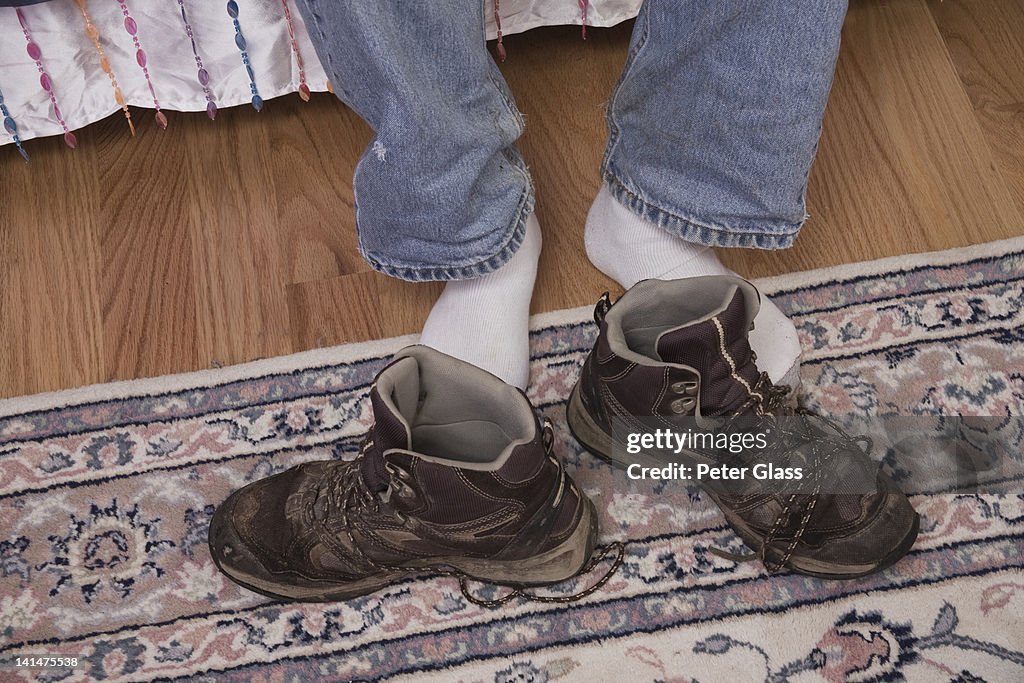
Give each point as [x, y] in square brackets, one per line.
[586, 431]
[558, 564]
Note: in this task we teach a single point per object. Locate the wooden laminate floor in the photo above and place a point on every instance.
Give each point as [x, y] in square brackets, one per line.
[219, 243]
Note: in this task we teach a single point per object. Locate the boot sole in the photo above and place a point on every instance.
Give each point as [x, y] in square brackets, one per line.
[553, 566]
[601, 444]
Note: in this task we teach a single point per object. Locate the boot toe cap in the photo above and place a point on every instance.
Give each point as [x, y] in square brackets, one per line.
[230, 552]
[872, 547]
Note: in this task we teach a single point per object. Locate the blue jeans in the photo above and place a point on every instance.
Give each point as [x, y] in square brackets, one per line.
[712, 127]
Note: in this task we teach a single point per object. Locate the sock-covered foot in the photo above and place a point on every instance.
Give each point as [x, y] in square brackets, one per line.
[485, 321]
[628, 249]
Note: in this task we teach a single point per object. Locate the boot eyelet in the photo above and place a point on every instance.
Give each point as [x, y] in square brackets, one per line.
[396, 472]
[688, 388]
[682, 405]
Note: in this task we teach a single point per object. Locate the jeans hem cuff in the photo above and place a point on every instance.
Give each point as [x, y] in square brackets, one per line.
[693, 230]
[413, 273]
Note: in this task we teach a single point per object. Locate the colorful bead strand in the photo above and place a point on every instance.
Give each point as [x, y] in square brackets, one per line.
[500, 48]
[203, 75]
[94, 34]
[257, 101]
[140, 56]
[36, 54]
[303, 87]
[11, 127]
[584, 5]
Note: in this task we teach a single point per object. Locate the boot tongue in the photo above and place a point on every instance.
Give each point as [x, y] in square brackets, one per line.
[718, 349]
[388, 431]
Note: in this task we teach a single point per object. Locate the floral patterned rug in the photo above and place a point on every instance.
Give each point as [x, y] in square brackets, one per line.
[106, 494]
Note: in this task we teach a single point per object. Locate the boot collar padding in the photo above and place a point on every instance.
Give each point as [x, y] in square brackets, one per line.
[454, 413]
[652, 308]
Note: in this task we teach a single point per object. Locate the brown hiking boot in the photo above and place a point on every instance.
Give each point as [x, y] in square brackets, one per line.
[456, 476]
[675, 352]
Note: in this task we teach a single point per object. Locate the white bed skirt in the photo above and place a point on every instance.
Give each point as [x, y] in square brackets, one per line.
[83, 90]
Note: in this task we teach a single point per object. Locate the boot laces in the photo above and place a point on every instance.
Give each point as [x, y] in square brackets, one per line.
[349, 496]
[820, 445]
[342, 488]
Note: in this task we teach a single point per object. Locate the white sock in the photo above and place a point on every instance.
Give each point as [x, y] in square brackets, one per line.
[485, 321]
[628, 249]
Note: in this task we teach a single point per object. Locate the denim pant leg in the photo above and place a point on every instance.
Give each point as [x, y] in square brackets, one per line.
[716, 118]
[442, 192]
